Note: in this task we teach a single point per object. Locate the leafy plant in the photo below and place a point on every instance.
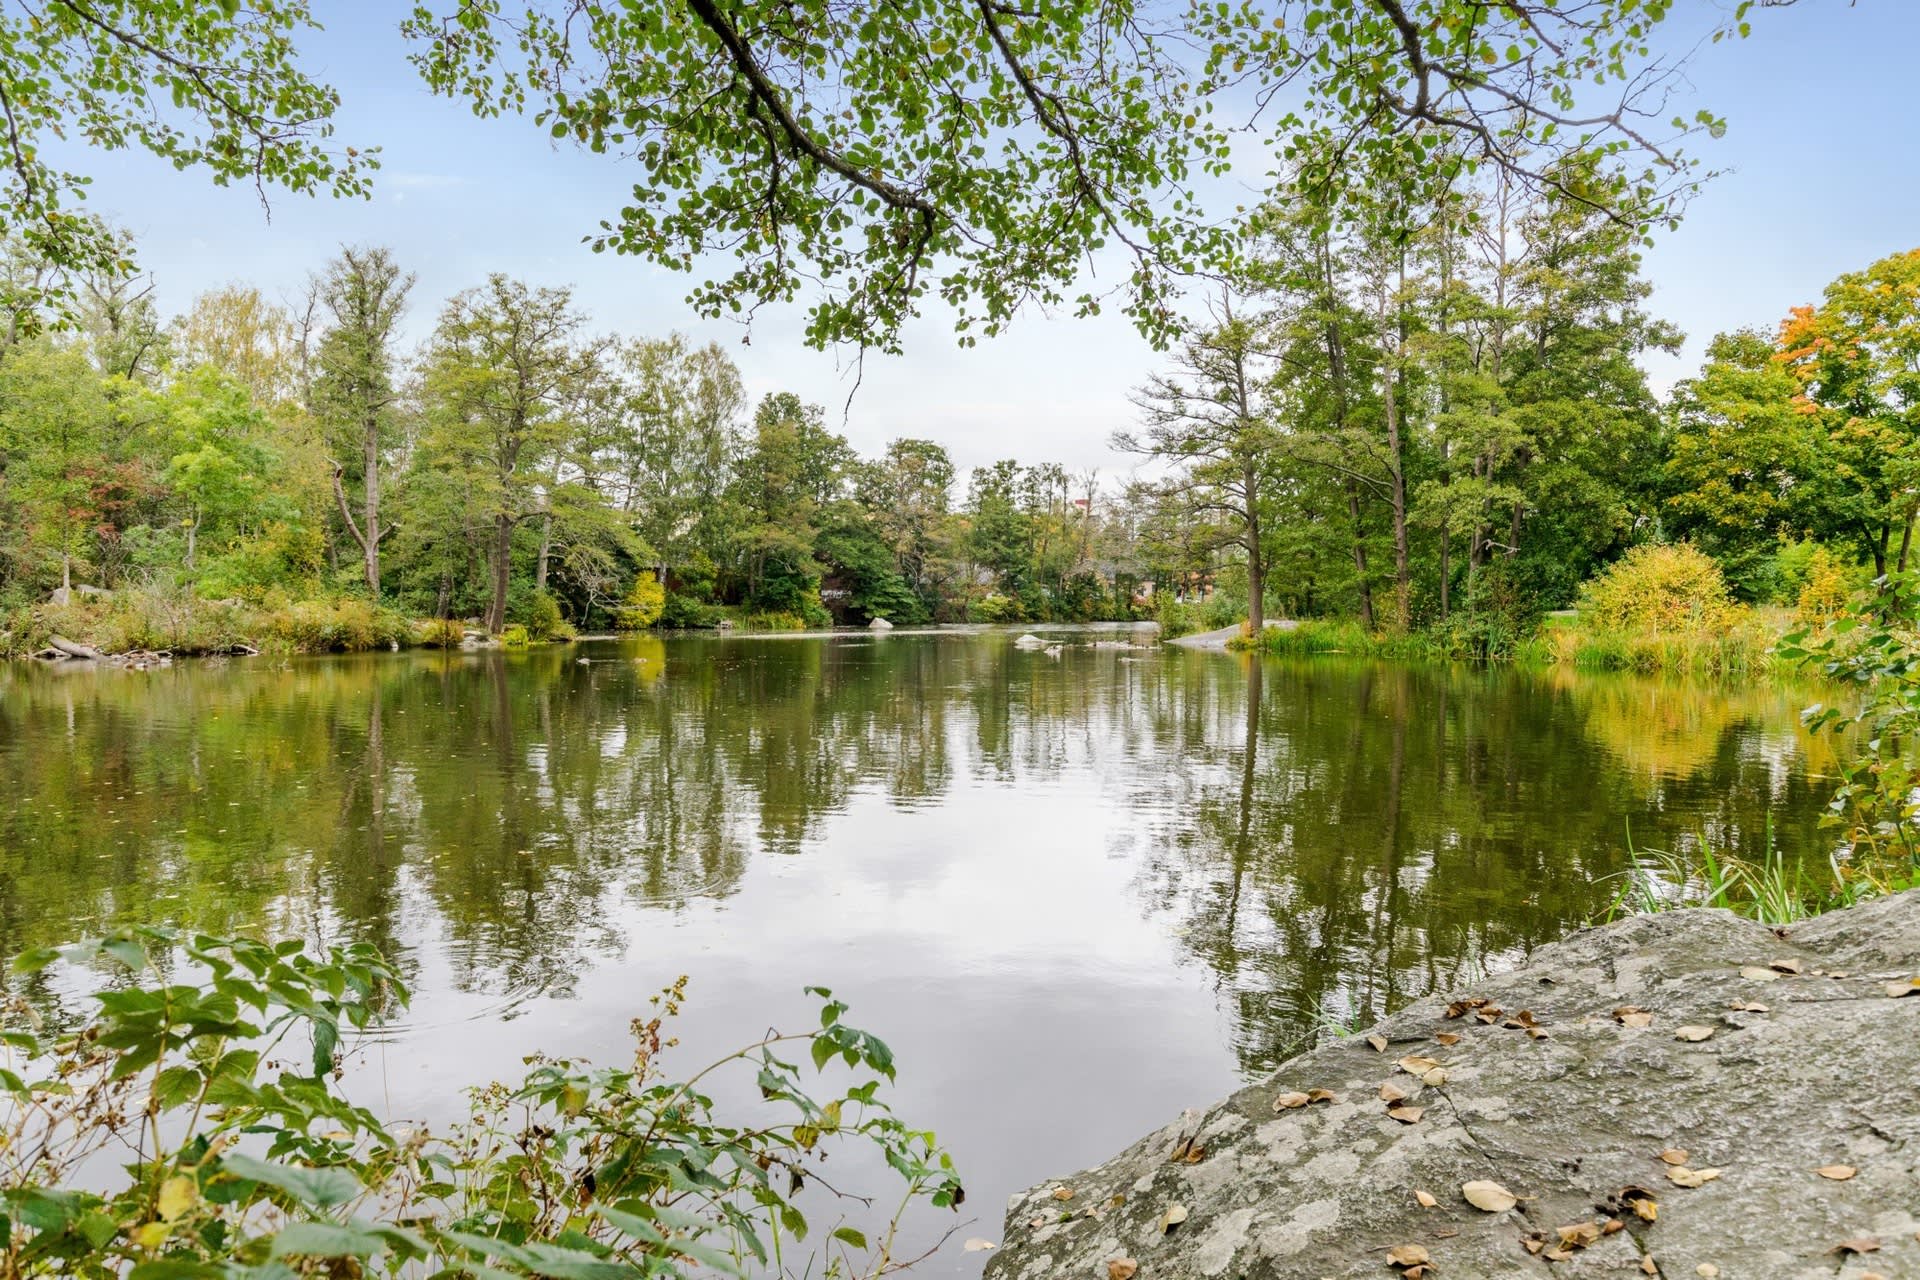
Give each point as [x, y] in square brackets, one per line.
[247, 1160]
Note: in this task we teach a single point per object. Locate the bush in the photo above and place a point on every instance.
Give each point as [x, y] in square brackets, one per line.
[337, 626]
[515, 636]
[1826, 588]
[643, 604]
[535, 610]
[1660, 589]
[245, 1160]
[682, 612]
[442, 633]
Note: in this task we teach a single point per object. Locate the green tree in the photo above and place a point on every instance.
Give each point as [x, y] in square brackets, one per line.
[1857, 359]
[1213, 418]
[363, 293]
[1743, 459]
[505, 380]
[222, 470]
[790, 473]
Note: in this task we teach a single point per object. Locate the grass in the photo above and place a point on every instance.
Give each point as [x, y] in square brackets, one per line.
[1745, 649]
[1317, 636]
[1771, 889]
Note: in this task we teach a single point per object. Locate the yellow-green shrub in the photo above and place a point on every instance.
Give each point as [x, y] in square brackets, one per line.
[643, 605]
[1660, 589]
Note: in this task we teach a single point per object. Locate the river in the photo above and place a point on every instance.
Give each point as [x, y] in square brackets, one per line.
[1075, 892]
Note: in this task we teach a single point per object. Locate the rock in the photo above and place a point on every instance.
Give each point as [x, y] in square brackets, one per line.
[1550, 1096]
[879, 624]
[1029, 641]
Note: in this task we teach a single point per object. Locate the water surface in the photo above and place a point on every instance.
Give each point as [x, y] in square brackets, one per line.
[1076, 893]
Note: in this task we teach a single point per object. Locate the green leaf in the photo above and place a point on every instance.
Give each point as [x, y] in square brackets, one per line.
[321, 1188]
[326, 1240]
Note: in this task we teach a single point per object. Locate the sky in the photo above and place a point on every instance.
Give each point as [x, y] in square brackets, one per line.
[1820, 174]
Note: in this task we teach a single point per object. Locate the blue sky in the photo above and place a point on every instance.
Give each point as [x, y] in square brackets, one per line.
[1822, 175]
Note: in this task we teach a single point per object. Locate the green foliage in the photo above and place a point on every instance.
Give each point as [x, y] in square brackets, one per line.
[1876, 659]
[177, 1072]
[441, 633]
[645, 602]
[516, 636]
[214, 88]
[1772, 889]
[343, 625]
[535, 611]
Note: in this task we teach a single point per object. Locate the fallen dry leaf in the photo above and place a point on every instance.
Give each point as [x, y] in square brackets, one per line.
[1322, 1095]
[1706, 1269]
[1390, 1092]
[1426, 1200]
[1489, 1197]
[1173, 1217]
[1837, 1172]
[1379, 1043]
[1632, 1015]
[1121, 1269]
[1408, 1255]
[1898, 989]
[1789, 965]
[1063, 1193]
[1447, 1038]
[1460, 1008]
[1694, 1034]
[1188, 1151]
[1674, 1155]
[1859, 1244]
[1538, 1033]
[1749, 1006]
[1290, 1101]
[1406, 1115]
[1649, 1266]
[1755, 973]
[1579, 1235]
[977, 1245]
[1414, 1066]
[1681, 1176]
[1641, 1202]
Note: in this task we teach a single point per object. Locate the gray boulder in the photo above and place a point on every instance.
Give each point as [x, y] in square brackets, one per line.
[1685, 1094]
[879, 624]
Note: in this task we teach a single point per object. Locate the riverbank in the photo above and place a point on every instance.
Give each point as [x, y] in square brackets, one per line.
[152, 623]
[1679, 1094]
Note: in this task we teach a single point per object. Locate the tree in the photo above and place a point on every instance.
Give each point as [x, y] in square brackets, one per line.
[1857, 360]
[1213, 417]
[986, 151]
[221, 469]
[201, 85]
[239, 334]
[1743, 460]
[56, 428]
[790, 473]
[908, 494]
[363, 292]
[505, 377]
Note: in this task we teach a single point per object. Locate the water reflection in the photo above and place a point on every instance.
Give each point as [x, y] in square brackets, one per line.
[1075, 893]
[1328, 841]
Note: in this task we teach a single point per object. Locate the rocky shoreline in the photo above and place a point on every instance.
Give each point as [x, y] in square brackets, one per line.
[1682, 1094]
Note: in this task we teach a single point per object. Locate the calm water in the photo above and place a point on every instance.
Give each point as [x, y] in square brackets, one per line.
[1076, 893]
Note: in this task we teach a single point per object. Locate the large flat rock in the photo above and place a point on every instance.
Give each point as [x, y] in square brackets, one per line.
[1803, 1070]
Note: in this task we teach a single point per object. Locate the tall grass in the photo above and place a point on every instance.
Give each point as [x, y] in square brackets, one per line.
[1317, 636]
[1769, 889]
[1747, 649]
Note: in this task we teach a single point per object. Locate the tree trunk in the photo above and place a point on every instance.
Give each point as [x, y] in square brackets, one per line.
[193, 538]
[1256, 562]
[1397, 491]
[371, 483]
[1906, 540]
[502, 566]
[546, 546]
[1360, 555]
